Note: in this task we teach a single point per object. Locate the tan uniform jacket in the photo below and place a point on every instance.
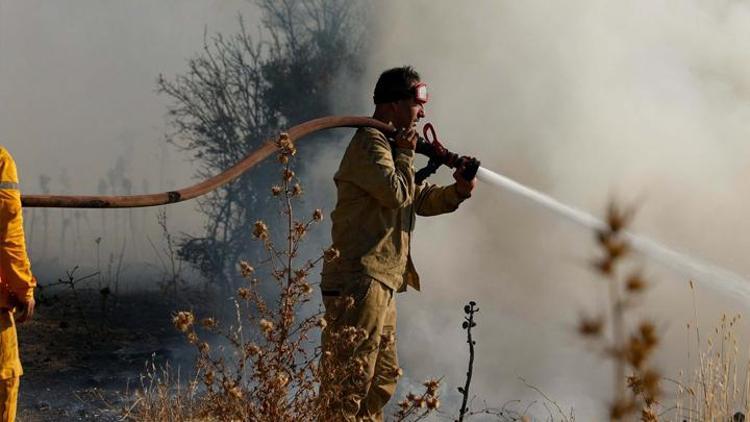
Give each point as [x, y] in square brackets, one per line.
[375, 212]
[15, 270]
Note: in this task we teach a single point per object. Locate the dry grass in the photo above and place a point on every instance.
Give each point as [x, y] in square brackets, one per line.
[270, 365]
[717, 389]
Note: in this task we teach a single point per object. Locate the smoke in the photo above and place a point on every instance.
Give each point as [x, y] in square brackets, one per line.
[644, 101]
[80, 109]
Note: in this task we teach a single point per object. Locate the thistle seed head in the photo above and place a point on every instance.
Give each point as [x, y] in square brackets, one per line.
[331, 254]
[266, 326]
[260, 230]
[246, 269]
[183, 320]
[318, 215]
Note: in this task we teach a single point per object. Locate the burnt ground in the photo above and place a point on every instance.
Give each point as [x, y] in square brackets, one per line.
[79, 358]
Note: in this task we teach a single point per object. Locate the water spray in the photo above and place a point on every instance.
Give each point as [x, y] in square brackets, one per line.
[713, 276]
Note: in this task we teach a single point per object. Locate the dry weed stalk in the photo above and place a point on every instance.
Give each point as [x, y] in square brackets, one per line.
[467, 325]
[274, 371]
[715, 391]
[162, 397]
[73, 283]
[171, 264]
[636, 383]
[416, 407]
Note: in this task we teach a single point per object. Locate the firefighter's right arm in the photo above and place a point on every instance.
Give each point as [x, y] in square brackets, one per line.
[384, 173]
[15, 269]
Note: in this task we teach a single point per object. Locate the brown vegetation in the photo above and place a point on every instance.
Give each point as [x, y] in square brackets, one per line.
[716, 389]
[269, 365]
[637, 388]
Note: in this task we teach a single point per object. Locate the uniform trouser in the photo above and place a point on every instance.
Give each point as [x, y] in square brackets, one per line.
[10, 367]
[374, 311]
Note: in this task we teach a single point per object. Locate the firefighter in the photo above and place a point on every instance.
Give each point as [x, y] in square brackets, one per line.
[16, 284]
[377, 200]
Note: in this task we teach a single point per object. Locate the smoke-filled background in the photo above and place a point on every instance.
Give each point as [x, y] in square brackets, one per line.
[81, 115]
[643, 101]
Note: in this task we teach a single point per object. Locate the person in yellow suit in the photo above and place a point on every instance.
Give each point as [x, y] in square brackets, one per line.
[16, 284]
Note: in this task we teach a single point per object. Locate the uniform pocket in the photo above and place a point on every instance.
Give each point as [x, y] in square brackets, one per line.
[361, 290]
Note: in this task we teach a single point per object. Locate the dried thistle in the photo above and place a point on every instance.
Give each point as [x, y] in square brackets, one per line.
[432, 403]
[590, 326]
[266, 326]
[285, 145]
[287, 175]
[246, 269]
[252, 349]
[432, 385]
[635, 283]
[260, 230]
[183, 320]
[636, 383]
[209, 323]
[618, 218]
[306, 288]
[604, 265]
[208, 378]
[244, 293]
[318, 215]
[299, 229]
[331, 254]
[418, 406]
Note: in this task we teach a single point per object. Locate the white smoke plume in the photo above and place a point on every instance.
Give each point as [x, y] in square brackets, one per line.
[78, 81]
[644, 101]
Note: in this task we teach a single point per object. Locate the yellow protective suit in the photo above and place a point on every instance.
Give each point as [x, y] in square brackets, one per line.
[16, 282]
[377, 200]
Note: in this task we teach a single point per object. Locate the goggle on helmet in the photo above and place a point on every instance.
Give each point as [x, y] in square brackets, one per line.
[418, 92]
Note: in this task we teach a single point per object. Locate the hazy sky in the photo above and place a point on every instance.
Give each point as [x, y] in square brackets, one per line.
[78, 83]
[646, 101]
[78, 79]
[584, 100]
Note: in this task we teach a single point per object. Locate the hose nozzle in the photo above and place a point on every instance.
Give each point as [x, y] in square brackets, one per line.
[439, 155]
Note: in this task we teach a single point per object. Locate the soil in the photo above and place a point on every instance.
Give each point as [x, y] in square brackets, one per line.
[82, 361]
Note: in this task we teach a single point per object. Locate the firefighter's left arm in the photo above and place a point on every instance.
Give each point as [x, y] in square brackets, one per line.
[431, 199]
[15, 269]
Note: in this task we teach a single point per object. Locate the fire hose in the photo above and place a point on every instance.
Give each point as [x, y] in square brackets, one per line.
[714, 276]
[429, 145]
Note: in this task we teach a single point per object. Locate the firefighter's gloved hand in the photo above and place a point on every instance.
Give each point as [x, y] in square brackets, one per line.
[463, 186]
[470, 166]
[406, 138]
[24, 310]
